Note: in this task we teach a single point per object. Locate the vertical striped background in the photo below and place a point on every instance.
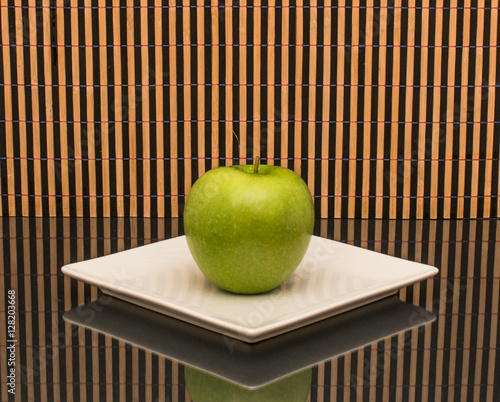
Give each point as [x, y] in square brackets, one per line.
[387, 109]
[455, 358]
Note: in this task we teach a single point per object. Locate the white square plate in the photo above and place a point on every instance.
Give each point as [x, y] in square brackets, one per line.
[332, 278]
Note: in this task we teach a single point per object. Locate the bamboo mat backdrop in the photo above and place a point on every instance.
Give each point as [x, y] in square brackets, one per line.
[114, 108]
[456, 358]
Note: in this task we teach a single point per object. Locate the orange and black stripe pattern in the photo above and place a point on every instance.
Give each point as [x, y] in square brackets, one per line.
[114, 108]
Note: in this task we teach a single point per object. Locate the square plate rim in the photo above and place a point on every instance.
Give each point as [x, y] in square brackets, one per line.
[241, 332]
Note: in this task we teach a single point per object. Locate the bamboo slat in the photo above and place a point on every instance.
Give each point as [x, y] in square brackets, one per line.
[325, 111]
[9, 134]
[456, 289]
[89, 129]
[367, 113]
[215, 81]
[67, 338]
[173, 125]
[41, 309]
[23, 134]
[186, 60]
[271, 83]
[161, 380]
[77, 120]
[422, 152]
[408, 164]
[450, 112]
[476, 114]
[468, 330]
[257, 79]
[200, 55]
[229, 83]
[243, 82]
[490, 125]
[437, 134]
[63, 175]
[131, 107]
[28, 300]
[49, 110]
[104, 99]
[35, 93]
[464, 109]
[481, 312]
[119, 108]
[145, 112]
[321, 382]
[108, 344]
[395, 167]
[339, 112]
[429, 305]
[159, 106]
[382, 93]
[353, 60]
[298, 81]
[312, 94]
[415, 368]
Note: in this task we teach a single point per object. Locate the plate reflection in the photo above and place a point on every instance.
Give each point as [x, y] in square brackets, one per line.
[245, 365]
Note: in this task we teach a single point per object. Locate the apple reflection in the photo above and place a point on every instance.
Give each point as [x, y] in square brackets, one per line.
[203, 387]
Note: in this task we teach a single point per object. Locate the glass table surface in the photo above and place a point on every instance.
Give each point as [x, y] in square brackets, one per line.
[64, 340]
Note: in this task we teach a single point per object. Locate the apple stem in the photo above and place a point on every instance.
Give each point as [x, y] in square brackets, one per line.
[256, 165]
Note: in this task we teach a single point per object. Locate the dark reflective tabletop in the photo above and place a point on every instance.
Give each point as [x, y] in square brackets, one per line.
[63, 340]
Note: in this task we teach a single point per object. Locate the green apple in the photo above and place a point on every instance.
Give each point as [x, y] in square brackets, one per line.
[203, 387]
[248, 227]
